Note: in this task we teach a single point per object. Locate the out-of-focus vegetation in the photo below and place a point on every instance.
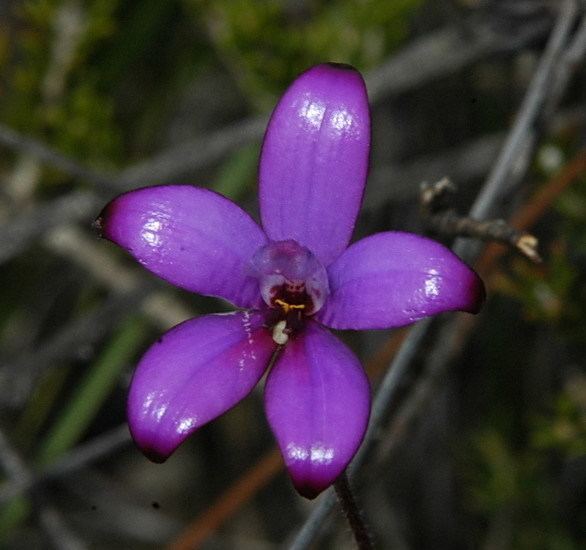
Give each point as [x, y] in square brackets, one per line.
[497, 460]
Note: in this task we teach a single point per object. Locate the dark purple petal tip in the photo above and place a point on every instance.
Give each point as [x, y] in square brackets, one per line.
[153, 455]
[476, 293]
[342, 67]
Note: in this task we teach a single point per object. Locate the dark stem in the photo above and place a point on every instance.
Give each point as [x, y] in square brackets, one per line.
[352, 513]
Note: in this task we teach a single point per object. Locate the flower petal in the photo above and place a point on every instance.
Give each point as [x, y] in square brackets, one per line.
[392, 279]
[192, 374]
[191, 237]
[317, 400]
[314, 160]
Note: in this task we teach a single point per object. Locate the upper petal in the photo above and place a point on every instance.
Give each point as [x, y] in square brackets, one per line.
[191, 237]
[317, 400]
[392, 279]
[314, 160]
[192, 374]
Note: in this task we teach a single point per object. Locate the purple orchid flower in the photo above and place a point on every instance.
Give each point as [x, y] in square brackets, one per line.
[292, 278]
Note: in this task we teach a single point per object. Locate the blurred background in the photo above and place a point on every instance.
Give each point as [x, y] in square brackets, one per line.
[101, 96]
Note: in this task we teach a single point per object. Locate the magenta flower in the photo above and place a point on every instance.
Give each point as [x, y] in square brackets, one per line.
[291, 278]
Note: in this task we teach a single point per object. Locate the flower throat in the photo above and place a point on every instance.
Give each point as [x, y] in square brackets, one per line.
[292, 282]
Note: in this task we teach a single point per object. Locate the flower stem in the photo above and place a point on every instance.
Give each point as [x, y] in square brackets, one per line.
[352, 513]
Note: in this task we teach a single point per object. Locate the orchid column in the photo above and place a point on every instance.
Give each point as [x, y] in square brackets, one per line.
[291, 278]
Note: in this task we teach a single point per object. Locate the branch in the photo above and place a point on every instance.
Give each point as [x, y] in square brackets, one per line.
[513, 161]
[18, 233]
[440, 218]
[161, 307]
[73, 340]
[36, 148]
[51, 519]
[76, 459]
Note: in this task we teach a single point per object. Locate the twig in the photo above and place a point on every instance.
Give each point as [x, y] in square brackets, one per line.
[425, 60]
[388, 79]
[534, 209]
[166, 167]
[352, 513]
[566, 68]
[464, 163]
[57, 530]
[76, 459]
[446, 52]
[449, 342]
[513, 161]
[18, 233]
[453, 336]
[51, 520]
[73, 340]
[160, 306]
[23, 144]
[440, 218]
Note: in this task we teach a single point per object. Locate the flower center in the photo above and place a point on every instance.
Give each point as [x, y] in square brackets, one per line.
[292, 281]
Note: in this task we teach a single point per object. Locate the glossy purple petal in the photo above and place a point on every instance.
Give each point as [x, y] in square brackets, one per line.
[314, 160]
[393, 279]
[192, 374]
[317, 400]
[191, 237]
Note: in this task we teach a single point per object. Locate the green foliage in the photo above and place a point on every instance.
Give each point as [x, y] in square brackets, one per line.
[238, 172]
[93, 390]
[268, 43]
[83, 124]
[513, 490]
[53, 89]
[572, 207]
[564, 430]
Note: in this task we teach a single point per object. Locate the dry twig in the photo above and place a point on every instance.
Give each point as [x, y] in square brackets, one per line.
[440, 218]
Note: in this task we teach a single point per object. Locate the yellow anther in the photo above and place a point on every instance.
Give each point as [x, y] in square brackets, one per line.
[288, 307]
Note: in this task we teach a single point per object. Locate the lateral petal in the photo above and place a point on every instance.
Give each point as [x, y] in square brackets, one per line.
[194, 238]
[392, 279]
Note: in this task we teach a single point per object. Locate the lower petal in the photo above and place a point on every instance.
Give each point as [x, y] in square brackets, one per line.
[392, 279]
[192, 374]
[317, 400]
